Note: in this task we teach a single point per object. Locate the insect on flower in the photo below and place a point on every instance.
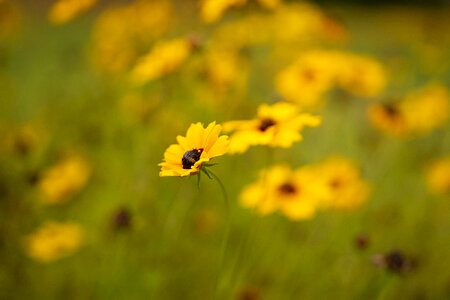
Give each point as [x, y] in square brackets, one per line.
[193, 150]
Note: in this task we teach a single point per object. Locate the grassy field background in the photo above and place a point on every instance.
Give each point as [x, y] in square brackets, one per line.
[172, 246]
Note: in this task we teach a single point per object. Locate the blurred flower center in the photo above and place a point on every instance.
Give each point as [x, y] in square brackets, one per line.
[391, 110]
[265, 124]
[308, 75]
[287, 189]
[190, 158]
[395, 261]
[335, 183]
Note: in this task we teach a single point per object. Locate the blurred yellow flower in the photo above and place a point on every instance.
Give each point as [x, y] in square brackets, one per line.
[62, 181]
[53, 241]
[212, 10]
[438, 176]
[276, 125]
[389, 118]
[296, 194]
[317, 71]
[223, 68]
[295, 22]
[361, 75]
[427, 108]
[164, 58]
[121, 33]
[22, 139]
[418, 113]
[343, 179]
[308, 78]
[65, 10]
[192, 151]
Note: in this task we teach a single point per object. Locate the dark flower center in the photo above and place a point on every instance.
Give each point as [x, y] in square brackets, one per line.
[265, 124]
[395, 261]
[391, 110]
[191, 157]
[309, 75]
[335, 183]
[122, 219]
[287, 189]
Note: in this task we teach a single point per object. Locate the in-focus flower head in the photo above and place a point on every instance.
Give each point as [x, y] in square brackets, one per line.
[276, 125]
[53, 241]
[295, 193]
[199, 146]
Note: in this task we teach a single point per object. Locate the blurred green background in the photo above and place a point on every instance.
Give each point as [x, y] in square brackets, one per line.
[169, 245]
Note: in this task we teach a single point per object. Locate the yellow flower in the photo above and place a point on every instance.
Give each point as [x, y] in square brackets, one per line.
[427, 108]
[276, 125]
[295, 22]
[417, 114]
[63, 180]
[192, 151]
[361, 75]
[224, 68]
[23, 139]
[164, 58]
[53, 241]
[316, 72]
[65, 10]
[438, 176]
[343, 180]
[308, 78]
[294, 193]
[389, 118]
[212, 10]
[120, 33]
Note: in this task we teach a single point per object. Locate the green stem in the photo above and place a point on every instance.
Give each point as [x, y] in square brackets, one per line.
[212, 175]
[219, 280]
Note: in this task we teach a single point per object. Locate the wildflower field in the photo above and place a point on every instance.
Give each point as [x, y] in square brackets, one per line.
[224, 149]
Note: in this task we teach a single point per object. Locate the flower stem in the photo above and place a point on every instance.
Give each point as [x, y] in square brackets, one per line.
[212, 175]
[220, 280]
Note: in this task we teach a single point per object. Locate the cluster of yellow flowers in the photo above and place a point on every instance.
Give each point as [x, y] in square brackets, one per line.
[298, 194]
[333, 183]
[418, 113]
[317, 71]
[278, 125]
[123, 33]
